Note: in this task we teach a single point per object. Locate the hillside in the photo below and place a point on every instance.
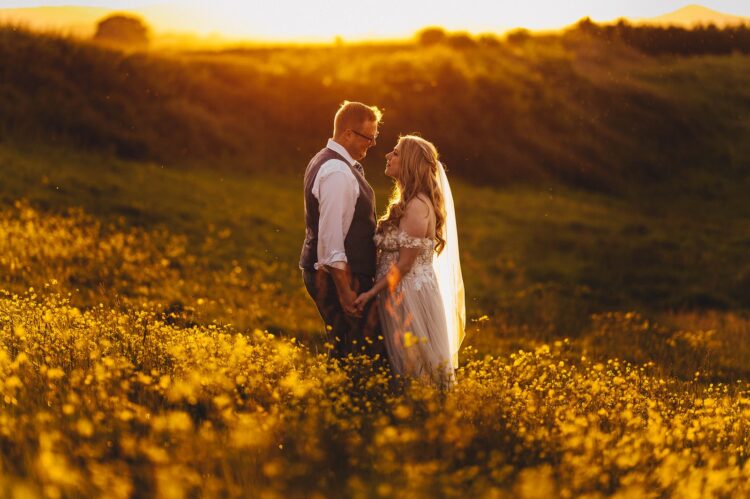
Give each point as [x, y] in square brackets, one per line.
[80, 21]
[573, 108]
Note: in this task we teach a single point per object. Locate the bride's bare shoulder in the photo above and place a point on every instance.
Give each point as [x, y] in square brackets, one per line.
[416, 218]
[418, 206]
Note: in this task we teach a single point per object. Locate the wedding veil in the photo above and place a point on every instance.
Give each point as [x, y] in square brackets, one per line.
[448, 270]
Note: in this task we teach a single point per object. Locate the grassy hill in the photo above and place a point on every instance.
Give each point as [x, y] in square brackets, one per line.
[575, 108]
[542, 259]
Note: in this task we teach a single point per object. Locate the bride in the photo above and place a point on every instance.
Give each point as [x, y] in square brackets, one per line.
[418, 286]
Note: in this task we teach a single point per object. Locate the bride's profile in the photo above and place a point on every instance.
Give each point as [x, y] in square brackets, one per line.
[418, 285]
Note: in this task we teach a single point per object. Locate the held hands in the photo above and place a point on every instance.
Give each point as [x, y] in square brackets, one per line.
[362, 300]
[348, 304]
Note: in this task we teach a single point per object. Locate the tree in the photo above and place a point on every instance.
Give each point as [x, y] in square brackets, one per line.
[489, 40]
[123, 30]
[461, 41]
[431, 36]
[586, 25]
[518, 36]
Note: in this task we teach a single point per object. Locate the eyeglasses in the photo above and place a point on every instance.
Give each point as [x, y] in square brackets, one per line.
[366, 137]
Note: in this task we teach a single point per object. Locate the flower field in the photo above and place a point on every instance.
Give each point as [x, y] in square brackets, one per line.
[109, 391]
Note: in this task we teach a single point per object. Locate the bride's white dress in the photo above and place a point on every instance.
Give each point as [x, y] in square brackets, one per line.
[412, 313]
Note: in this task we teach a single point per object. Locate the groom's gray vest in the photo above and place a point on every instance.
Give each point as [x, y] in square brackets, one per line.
[358, 244]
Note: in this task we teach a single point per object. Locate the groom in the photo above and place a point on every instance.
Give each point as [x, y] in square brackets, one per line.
[338, 255]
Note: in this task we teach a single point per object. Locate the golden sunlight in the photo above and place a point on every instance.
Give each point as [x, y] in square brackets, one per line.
[299, 20]
[317, 21]
[289, 19]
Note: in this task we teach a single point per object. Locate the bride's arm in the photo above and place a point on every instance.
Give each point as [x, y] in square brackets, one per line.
[406, 259]
[415, 222]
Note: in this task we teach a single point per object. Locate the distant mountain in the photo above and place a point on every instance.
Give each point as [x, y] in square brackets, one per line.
[693, 15]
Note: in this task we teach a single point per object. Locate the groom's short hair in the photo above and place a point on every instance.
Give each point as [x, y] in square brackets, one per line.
[353, 114]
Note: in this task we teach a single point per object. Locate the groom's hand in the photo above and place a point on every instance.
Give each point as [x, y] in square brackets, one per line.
[347, 296]
[347, 300]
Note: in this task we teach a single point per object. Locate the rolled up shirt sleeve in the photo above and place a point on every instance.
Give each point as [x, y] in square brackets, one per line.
[337, 193]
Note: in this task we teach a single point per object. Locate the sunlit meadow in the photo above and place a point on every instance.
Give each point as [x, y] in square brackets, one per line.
[129, 397]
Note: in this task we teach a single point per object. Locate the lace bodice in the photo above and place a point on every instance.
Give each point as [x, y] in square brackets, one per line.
[388, 244]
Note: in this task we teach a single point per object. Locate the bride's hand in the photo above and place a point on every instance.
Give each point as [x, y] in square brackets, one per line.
[362, 300]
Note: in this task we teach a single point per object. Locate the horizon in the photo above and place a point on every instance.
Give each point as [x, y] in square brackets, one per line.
[392, 19]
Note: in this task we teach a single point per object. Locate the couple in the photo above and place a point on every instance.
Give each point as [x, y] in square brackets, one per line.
[395, 282]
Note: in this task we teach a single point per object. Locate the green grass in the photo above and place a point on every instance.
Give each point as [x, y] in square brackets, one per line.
[518, 243]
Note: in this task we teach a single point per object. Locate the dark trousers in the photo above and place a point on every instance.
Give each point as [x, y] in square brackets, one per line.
[347, 335]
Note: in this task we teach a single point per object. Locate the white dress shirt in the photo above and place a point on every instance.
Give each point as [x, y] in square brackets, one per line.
[336, 189]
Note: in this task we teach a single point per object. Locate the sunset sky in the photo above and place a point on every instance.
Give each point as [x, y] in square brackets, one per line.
[357, 19]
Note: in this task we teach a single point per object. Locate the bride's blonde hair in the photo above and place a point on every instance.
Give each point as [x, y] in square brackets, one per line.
[418, 174]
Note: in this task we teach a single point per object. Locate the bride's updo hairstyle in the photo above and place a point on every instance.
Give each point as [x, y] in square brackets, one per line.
[418, 174]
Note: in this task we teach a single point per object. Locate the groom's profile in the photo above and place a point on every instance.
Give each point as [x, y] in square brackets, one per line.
[338, 255]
